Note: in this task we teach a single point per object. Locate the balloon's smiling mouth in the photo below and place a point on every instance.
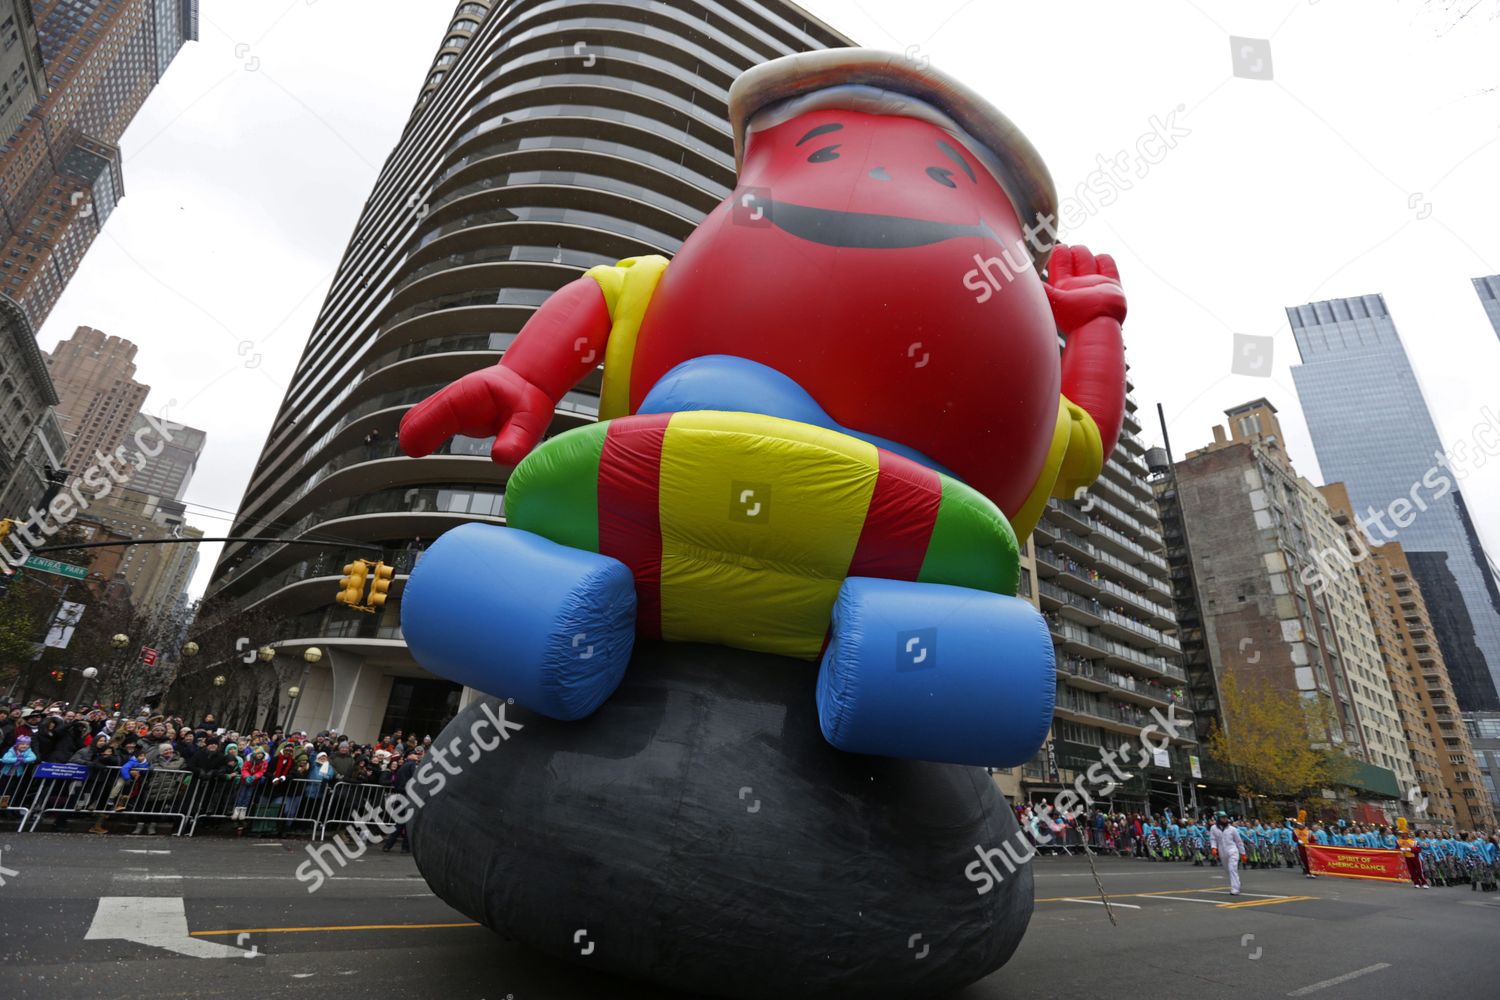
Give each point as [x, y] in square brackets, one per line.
[855, 229]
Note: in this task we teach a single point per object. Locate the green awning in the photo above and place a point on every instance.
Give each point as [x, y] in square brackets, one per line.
[1373, 779]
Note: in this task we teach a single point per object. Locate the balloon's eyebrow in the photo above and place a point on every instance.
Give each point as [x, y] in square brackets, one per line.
[952, 154]
[820, 130]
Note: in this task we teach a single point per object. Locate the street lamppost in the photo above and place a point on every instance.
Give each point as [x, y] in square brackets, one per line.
[89, 673]
[266, 654]
[219, 682]
[310, 655]
[119, 641]
[292, 694]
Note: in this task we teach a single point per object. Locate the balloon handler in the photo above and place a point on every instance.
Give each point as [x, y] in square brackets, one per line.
[824, 428]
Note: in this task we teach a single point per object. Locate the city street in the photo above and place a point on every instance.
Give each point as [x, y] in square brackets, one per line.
[135, 916]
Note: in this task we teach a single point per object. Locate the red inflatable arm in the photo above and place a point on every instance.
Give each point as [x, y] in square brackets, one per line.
[1089, 306]
[561, 343]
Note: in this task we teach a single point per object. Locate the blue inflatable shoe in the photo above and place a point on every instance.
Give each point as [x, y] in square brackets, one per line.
[933, 672]
[518, 616]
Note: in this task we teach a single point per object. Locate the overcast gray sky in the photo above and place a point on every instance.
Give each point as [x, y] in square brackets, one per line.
[1366, 163]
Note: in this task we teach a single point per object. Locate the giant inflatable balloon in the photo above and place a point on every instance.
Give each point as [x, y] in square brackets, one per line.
[826, 427]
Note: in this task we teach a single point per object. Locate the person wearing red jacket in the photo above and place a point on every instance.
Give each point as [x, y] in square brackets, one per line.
[252, 776]
[1411, 853]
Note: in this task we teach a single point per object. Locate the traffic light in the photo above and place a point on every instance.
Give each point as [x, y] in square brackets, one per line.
[352, 586]
[5, 525]
[380, 583]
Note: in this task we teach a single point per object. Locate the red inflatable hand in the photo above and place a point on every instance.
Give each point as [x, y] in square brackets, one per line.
[514, 400]
[1089, 306]
[1082, 287]
[494, 400]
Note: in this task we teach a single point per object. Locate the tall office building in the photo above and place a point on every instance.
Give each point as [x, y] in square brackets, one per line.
[167, 474]
[556, 137]
[1489, 296]
[1447, 788]
[1373, 432]
[154, 575]
[29, 432]
[1266, 610]
[1484, 737]
[60, 172]
[23, 76]
[98, 396]
[1096, 569]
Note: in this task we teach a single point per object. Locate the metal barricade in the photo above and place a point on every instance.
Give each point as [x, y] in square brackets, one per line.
[150, 795]
[262, 806]
[351, 802]
[184, 799]
[17, 793]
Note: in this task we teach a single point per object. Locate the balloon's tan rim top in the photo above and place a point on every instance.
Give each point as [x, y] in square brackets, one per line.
[873, 80]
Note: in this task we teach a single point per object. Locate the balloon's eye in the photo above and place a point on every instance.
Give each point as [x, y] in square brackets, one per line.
[825, 154]
[942, 175]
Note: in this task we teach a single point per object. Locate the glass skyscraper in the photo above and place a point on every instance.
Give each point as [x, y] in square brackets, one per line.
[1373, 432]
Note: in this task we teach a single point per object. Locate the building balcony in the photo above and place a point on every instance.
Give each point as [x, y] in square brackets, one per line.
[1121, 719]
[1092, 612]
[1075, 638]
[1089, 676]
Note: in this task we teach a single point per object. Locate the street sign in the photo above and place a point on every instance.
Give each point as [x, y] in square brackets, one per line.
[148, 656]
[56, 568]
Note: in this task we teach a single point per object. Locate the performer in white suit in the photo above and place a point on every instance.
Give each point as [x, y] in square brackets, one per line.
[1231, 847]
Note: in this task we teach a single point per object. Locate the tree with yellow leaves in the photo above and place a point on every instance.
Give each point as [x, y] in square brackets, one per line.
[1275, 740]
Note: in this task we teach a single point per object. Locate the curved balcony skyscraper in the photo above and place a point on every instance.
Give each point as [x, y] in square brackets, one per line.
[548, 136]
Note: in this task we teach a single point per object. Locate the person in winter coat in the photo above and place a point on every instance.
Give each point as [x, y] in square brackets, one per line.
[210, 767]
[17, 757]
[296, 785]
[280, 770]
[343, 762]
[186, 744]
[209, 763]
[46, 737]
[401, 780]
[12, 724]
[13, 765]
[319, 776]
[252, 776]
[388, 776]
[167, 780]
[157, 734]
[235, 761]
[108, 754]
[72, 737]
[132, 778]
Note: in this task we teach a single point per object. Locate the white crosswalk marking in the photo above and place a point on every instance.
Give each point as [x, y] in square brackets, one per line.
[157, 921]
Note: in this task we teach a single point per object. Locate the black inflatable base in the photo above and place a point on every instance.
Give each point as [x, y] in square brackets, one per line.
[697, 833]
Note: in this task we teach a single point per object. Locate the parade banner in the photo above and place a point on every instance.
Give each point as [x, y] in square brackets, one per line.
[1357, 862]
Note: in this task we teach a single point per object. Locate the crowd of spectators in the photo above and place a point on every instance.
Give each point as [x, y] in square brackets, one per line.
[256, 778]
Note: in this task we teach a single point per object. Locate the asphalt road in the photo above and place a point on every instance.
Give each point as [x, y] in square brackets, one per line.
[197, 908]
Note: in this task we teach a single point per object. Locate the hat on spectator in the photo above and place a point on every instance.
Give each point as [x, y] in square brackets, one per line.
[23, 738]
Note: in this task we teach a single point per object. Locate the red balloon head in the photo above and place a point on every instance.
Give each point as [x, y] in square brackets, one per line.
[874, 253]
